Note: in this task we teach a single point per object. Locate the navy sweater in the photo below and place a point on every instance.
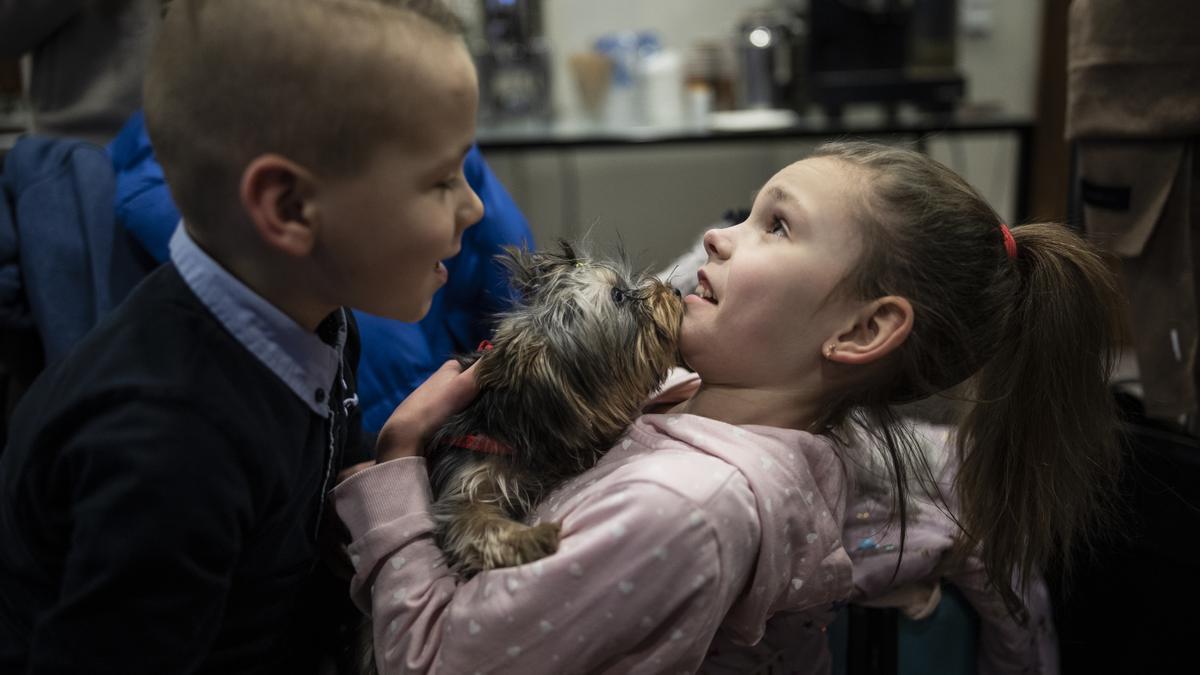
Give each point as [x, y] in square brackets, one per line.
[161, 493]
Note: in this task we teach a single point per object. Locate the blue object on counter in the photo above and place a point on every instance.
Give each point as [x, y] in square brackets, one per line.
[622, 50]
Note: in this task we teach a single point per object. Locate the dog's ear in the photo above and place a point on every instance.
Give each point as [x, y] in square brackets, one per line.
[529, 270]
[523, 269]
[568, 252]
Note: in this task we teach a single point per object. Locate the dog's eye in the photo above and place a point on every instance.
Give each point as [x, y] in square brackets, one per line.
[619, 296]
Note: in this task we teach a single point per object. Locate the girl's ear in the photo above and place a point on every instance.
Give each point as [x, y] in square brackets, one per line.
[878, 328]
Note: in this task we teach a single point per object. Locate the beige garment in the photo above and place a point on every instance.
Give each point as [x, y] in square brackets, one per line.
[1124, 188]
[1133, 112]
[1139, 200]
[1132, 69]
[88, 60]
[1161, 283]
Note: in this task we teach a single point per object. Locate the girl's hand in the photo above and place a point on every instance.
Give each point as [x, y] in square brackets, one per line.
[446, 392]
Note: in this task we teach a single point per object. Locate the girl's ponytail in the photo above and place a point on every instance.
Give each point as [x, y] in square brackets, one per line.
[1038, 450]
[1027, 319]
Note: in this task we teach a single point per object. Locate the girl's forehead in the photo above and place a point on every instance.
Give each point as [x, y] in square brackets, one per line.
[810, 181]
[818, 169]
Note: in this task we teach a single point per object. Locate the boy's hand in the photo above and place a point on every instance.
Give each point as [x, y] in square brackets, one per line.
[446, 392]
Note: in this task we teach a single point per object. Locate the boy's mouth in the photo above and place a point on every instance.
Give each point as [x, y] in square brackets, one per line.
[440, 266]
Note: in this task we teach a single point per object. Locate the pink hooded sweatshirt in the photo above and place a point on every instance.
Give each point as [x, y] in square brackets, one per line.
[694, 545]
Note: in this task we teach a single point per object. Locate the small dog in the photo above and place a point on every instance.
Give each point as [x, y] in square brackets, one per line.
[565, 375]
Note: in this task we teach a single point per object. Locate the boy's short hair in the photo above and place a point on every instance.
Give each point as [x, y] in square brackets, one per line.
[316, 81]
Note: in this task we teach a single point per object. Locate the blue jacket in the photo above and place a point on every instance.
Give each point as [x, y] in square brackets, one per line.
[396, 357]
[63, 261]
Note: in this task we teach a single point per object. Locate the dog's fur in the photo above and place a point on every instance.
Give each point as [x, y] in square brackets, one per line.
[569, 369]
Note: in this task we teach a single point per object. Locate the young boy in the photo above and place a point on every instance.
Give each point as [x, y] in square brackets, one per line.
[163, 489]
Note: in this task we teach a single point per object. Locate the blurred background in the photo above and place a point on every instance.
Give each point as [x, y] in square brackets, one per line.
[650, 120]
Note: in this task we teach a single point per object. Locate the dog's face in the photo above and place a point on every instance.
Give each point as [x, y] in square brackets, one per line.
[589, 340]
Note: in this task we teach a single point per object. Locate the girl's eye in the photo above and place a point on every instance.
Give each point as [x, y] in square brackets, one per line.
[778, 228]
[449, 184]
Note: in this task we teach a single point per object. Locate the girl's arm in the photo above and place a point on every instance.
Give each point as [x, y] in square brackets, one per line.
[1005, 644]
[636, 586]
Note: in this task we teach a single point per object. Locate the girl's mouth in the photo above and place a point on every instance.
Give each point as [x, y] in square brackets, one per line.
[704, 289]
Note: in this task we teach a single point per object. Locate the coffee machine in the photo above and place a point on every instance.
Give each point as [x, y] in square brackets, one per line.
[771, 52]
[884, 51]
[833, 53]
[514, 62]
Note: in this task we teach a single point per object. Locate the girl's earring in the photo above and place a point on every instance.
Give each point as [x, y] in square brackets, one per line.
[829, 349]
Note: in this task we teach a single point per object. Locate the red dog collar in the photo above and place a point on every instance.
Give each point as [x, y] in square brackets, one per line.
[481, 443]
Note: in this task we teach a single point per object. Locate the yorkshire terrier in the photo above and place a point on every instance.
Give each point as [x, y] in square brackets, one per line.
[565, 375]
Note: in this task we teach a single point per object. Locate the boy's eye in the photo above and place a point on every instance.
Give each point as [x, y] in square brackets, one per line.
[449, 183]
[778, 228]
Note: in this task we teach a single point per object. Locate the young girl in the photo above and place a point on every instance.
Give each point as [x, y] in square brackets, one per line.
[712, 537]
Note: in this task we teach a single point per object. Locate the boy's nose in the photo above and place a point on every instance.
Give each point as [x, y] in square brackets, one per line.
[472, 210]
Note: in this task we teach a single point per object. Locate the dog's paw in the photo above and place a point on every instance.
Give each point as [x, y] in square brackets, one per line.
[527, 544]
[509, 544]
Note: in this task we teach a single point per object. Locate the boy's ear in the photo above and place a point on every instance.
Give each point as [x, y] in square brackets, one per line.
[278, 194]
[878, 328]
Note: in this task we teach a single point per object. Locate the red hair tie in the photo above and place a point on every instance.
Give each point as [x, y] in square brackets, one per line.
[1010, 244]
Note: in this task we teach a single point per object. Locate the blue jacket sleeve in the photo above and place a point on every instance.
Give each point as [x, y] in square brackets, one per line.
[143, 202]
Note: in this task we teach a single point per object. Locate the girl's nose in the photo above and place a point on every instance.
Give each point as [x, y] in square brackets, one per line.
[717, 244]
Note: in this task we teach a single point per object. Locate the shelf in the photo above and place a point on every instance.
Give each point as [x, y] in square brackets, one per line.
[567, 135]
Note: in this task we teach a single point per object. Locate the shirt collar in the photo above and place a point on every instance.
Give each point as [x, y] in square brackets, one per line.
[305, 363]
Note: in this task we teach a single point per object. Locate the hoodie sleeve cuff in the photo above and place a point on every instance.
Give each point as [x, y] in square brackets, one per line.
[383, 493]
